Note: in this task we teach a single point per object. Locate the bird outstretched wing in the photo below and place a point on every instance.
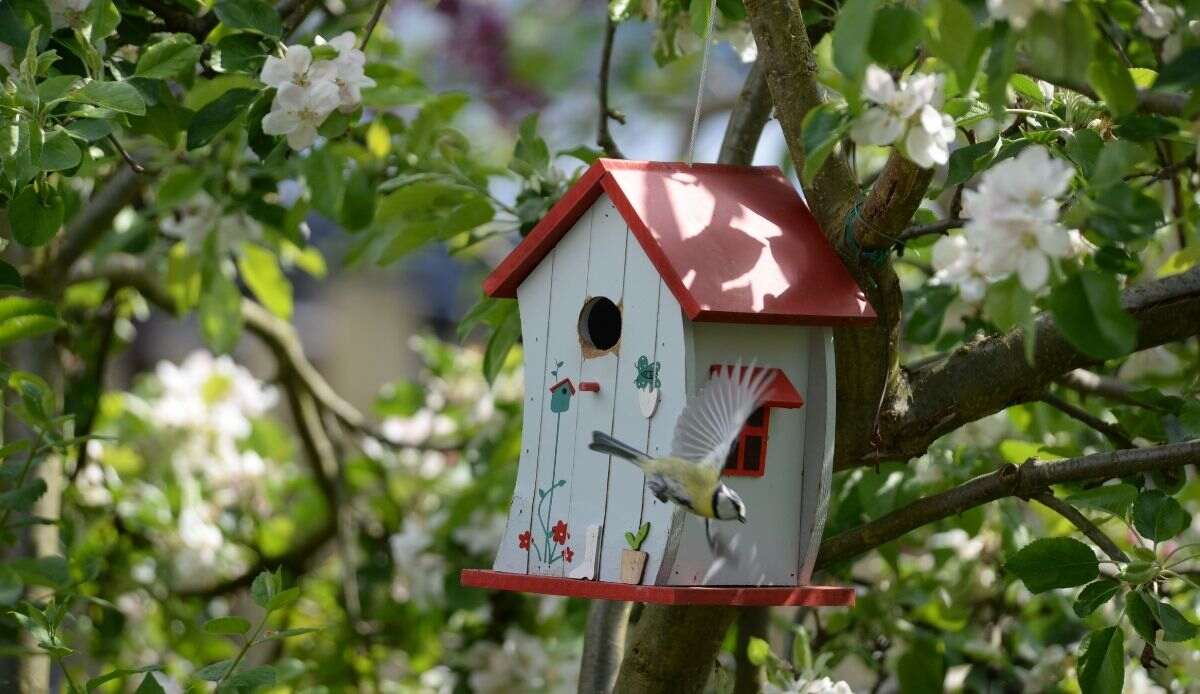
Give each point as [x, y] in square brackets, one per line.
[710, 422]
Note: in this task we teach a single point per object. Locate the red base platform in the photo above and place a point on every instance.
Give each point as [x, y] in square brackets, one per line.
[808, 596]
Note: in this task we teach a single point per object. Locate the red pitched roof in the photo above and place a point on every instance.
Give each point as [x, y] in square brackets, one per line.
[735, 244]
[565, 380]
[780, 393]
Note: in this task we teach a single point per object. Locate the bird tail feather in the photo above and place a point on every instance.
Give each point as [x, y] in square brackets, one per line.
[603, 443]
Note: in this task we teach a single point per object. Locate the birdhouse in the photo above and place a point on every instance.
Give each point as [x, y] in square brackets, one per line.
[640, 283]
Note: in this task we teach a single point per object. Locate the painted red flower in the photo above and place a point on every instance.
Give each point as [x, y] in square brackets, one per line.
[569, 555]
[523, 540]
[559, 533]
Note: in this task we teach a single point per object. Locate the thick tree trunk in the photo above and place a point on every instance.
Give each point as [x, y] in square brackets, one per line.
[672, 649]
[753, 622]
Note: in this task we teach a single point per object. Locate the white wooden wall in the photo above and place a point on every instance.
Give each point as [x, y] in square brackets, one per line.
[598, 257]
[767, 547]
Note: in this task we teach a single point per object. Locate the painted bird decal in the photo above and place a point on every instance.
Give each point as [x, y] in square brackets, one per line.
[710, 423]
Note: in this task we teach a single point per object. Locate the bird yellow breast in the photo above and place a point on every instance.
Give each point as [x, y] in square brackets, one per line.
[700, 481]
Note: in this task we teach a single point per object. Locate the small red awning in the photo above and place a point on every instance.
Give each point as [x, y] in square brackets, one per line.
[780, 393]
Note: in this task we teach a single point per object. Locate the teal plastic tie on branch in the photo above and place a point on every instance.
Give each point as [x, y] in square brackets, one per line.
[874, 256]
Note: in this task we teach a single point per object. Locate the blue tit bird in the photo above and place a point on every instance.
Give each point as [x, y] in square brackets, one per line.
[709, 424]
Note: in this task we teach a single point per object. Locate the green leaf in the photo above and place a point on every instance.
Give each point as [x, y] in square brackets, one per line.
[851, 37]
[358, 202]
[821, 130]
[252, 15]
[1084, 147]
[22, 318]
[59, 152]
[758, 651]
[1008, 304]
[1001, 62]
[282, 599]
[217, 115]
[214, 671]
[698, 13]
[150, 685]
[52, 572]
[1061, 42]
[1054, 562]
[89, 129]
[531, 156]
[248, 680]
[95, 682]
[1139, 572]
[242, 52]
[1123, 213]
[10, 277]
[1141, 615]
[115, 96]
[175, 55]
[1102, 665]
[1094, 595]
[323, 176]
[929, 309]
[1117, 260]
[1159, 517]
[227, 625]
[1111, 498]
[261, 272]
[1145, 128]
[922, 668]
[288, 633]
[1087, 308]
[1112, 81]
[967, 161]
[954, 37]
[1114, 160]
[22, 498]
[264, 587]
[1175, 626]
[35, 217]
[428, 211]
[895, 34]
[1182, 73]
[504, 336]
[220, 306]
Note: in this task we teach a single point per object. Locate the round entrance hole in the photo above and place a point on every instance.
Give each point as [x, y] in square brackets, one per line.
[600, 324]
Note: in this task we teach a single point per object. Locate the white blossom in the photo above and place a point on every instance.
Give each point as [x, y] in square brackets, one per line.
[7, 59]
[520, 664]
[906, 114]
[191, 220]
[347, 70]
[68, 13]
[1158, 19]
[298, 111]
[420, 575]
[1013, 218]
[482, 533]
[956, 264]
[800, 685]
[1019, 12]
[295, 67]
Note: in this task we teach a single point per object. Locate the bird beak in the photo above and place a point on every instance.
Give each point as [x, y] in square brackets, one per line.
[742, 520]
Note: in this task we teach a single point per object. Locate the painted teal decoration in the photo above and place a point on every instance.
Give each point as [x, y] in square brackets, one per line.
[560, 396]
[647, 374]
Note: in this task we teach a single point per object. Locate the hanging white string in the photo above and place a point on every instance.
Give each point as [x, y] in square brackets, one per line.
[712, 12]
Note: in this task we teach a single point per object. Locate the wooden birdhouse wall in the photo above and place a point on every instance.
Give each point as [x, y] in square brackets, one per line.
[782, 504]
[562, 487]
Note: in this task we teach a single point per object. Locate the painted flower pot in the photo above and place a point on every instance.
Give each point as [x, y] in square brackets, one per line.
[633, 565]
[648, 401]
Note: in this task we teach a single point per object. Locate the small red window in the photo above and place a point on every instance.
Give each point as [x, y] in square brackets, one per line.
[748, 455]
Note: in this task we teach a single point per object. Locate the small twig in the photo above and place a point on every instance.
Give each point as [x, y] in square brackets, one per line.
[137, 168]
[1111, 432]
[603, 136]
[940, 227]
[1080, 521]
[1088, 383]
[370, 29]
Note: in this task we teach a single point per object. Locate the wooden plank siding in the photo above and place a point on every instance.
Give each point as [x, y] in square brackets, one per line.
[765, 547]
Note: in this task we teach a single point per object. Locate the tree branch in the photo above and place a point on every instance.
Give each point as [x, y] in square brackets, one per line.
[88, 227]
[1080, 521]
[1086, 382]
[1162, 103]
[180, 19]
[603, 645]
[751, 111]
[1111, 432]
[603, 137]
[939, 227]
[672, 647]
[1023, 481]
[990, 374]
[752, 622]
[295, 561]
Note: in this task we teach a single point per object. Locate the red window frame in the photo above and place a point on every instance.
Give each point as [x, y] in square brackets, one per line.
[748, 455]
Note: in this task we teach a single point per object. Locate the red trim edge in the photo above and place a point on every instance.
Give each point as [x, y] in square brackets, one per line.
[589, 386]
[807, 596]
